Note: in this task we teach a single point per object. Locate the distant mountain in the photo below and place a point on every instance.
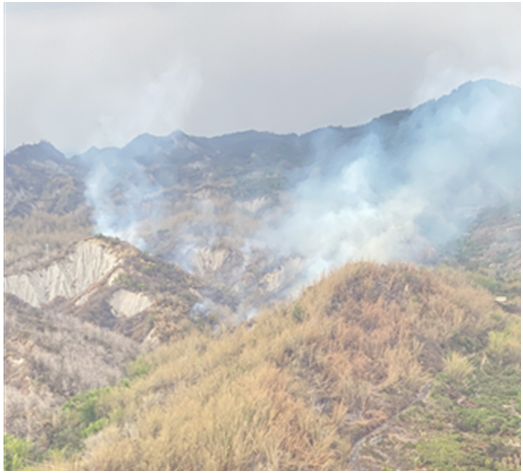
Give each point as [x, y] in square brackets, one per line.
[40, 177]
[193, 235]
[261, 163]
[257, 206]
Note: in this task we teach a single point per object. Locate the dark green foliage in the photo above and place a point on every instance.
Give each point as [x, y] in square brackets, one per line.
[490, 283]
[113, 241]
[466, 344]
[297, 313]
[442, 454]
[149, 268]
[94, 427]
[131, 283]
[471, 419]
[17, 453]
[81, 417]
[85, 404]
[489, 418]
[139, 368]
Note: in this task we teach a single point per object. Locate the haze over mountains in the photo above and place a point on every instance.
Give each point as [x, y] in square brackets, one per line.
[394, 189]
[190, 232]
[465, 142]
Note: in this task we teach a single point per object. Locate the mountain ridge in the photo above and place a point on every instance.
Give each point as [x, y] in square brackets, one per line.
[187, 239]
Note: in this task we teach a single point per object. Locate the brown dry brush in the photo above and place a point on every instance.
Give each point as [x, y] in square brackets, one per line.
[41, 234]
[299, 386]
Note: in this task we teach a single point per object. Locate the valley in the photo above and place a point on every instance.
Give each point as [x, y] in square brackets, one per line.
[344, 299]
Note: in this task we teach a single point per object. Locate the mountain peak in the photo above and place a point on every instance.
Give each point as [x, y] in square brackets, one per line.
[41, 151]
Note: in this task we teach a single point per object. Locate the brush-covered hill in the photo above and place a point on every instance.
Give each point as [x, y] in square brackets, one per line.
[86, 332]
[373, 367]
[40, 177]
[44, 204]
[404, 182]
[74, 322]
[235, 223]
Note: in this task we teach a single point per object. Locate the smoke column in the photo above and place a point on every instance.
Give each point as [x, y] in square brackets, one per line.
[397, 188]
[392, 193]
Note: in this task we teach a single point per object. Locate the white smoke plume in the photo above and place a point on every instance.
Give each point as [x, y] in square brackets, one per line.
[159, 106]
[121, 196]
[393, 195]
[118, 187]
[398, 188]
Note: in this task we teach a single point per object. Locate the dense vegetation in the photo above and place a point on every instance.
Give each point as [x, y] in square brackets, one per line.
[298, 387]
[373, 367]
[18, 453]
[471, 419]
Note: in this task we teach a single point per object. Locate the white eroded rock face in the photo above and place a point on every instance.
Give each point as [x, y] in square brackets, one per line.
[68, 278]
[126, 303]
[207, 260]
[282, 276]
[253, 205]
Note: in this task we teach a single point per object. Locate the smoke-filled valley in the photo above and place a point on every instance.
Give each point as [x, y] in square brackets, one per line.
[396, 189]
[124, 261]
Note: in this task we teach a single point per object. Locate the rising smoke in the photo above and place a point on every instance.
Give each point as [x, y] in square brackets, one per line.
[119, 188]
[396, 194]
[398, 188]
[159, 106]
[121, 196]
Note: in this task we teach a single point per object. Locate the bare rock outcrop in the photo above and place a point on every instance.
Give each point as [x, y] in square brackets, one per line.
[128, 304]
[282, 276]
[209, 260]
[68, 277]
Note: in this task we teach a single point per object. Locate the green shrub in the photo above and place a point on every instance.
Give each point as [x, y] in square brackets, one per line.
[94, 427]
[442, 454]
[81, 417]
[491, 284]
[297, 313]
[139, 367]
[468, 420]
[16, 452]
[85, 405]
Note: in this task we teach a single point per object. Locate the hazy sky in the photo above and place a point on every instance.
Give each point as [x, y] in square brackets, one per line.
[83, 74]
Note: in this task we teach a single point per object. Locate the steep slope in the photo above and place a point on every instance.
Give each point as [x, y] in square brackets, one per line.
[67, 278]
[74, 323]
[50, 356]
[397, 188]
[248, 219]
[298, 387]
[490, 252]
[40, 177]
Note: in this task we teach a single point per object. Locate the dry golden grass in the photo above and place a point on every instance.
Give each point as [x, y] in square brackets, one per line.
[457, 367]
[27, 237]
[295, 388]
[505, 347]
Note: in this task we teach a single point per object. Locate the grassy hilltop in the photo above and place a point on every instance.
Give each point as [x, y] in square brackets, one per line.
[382, 366]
